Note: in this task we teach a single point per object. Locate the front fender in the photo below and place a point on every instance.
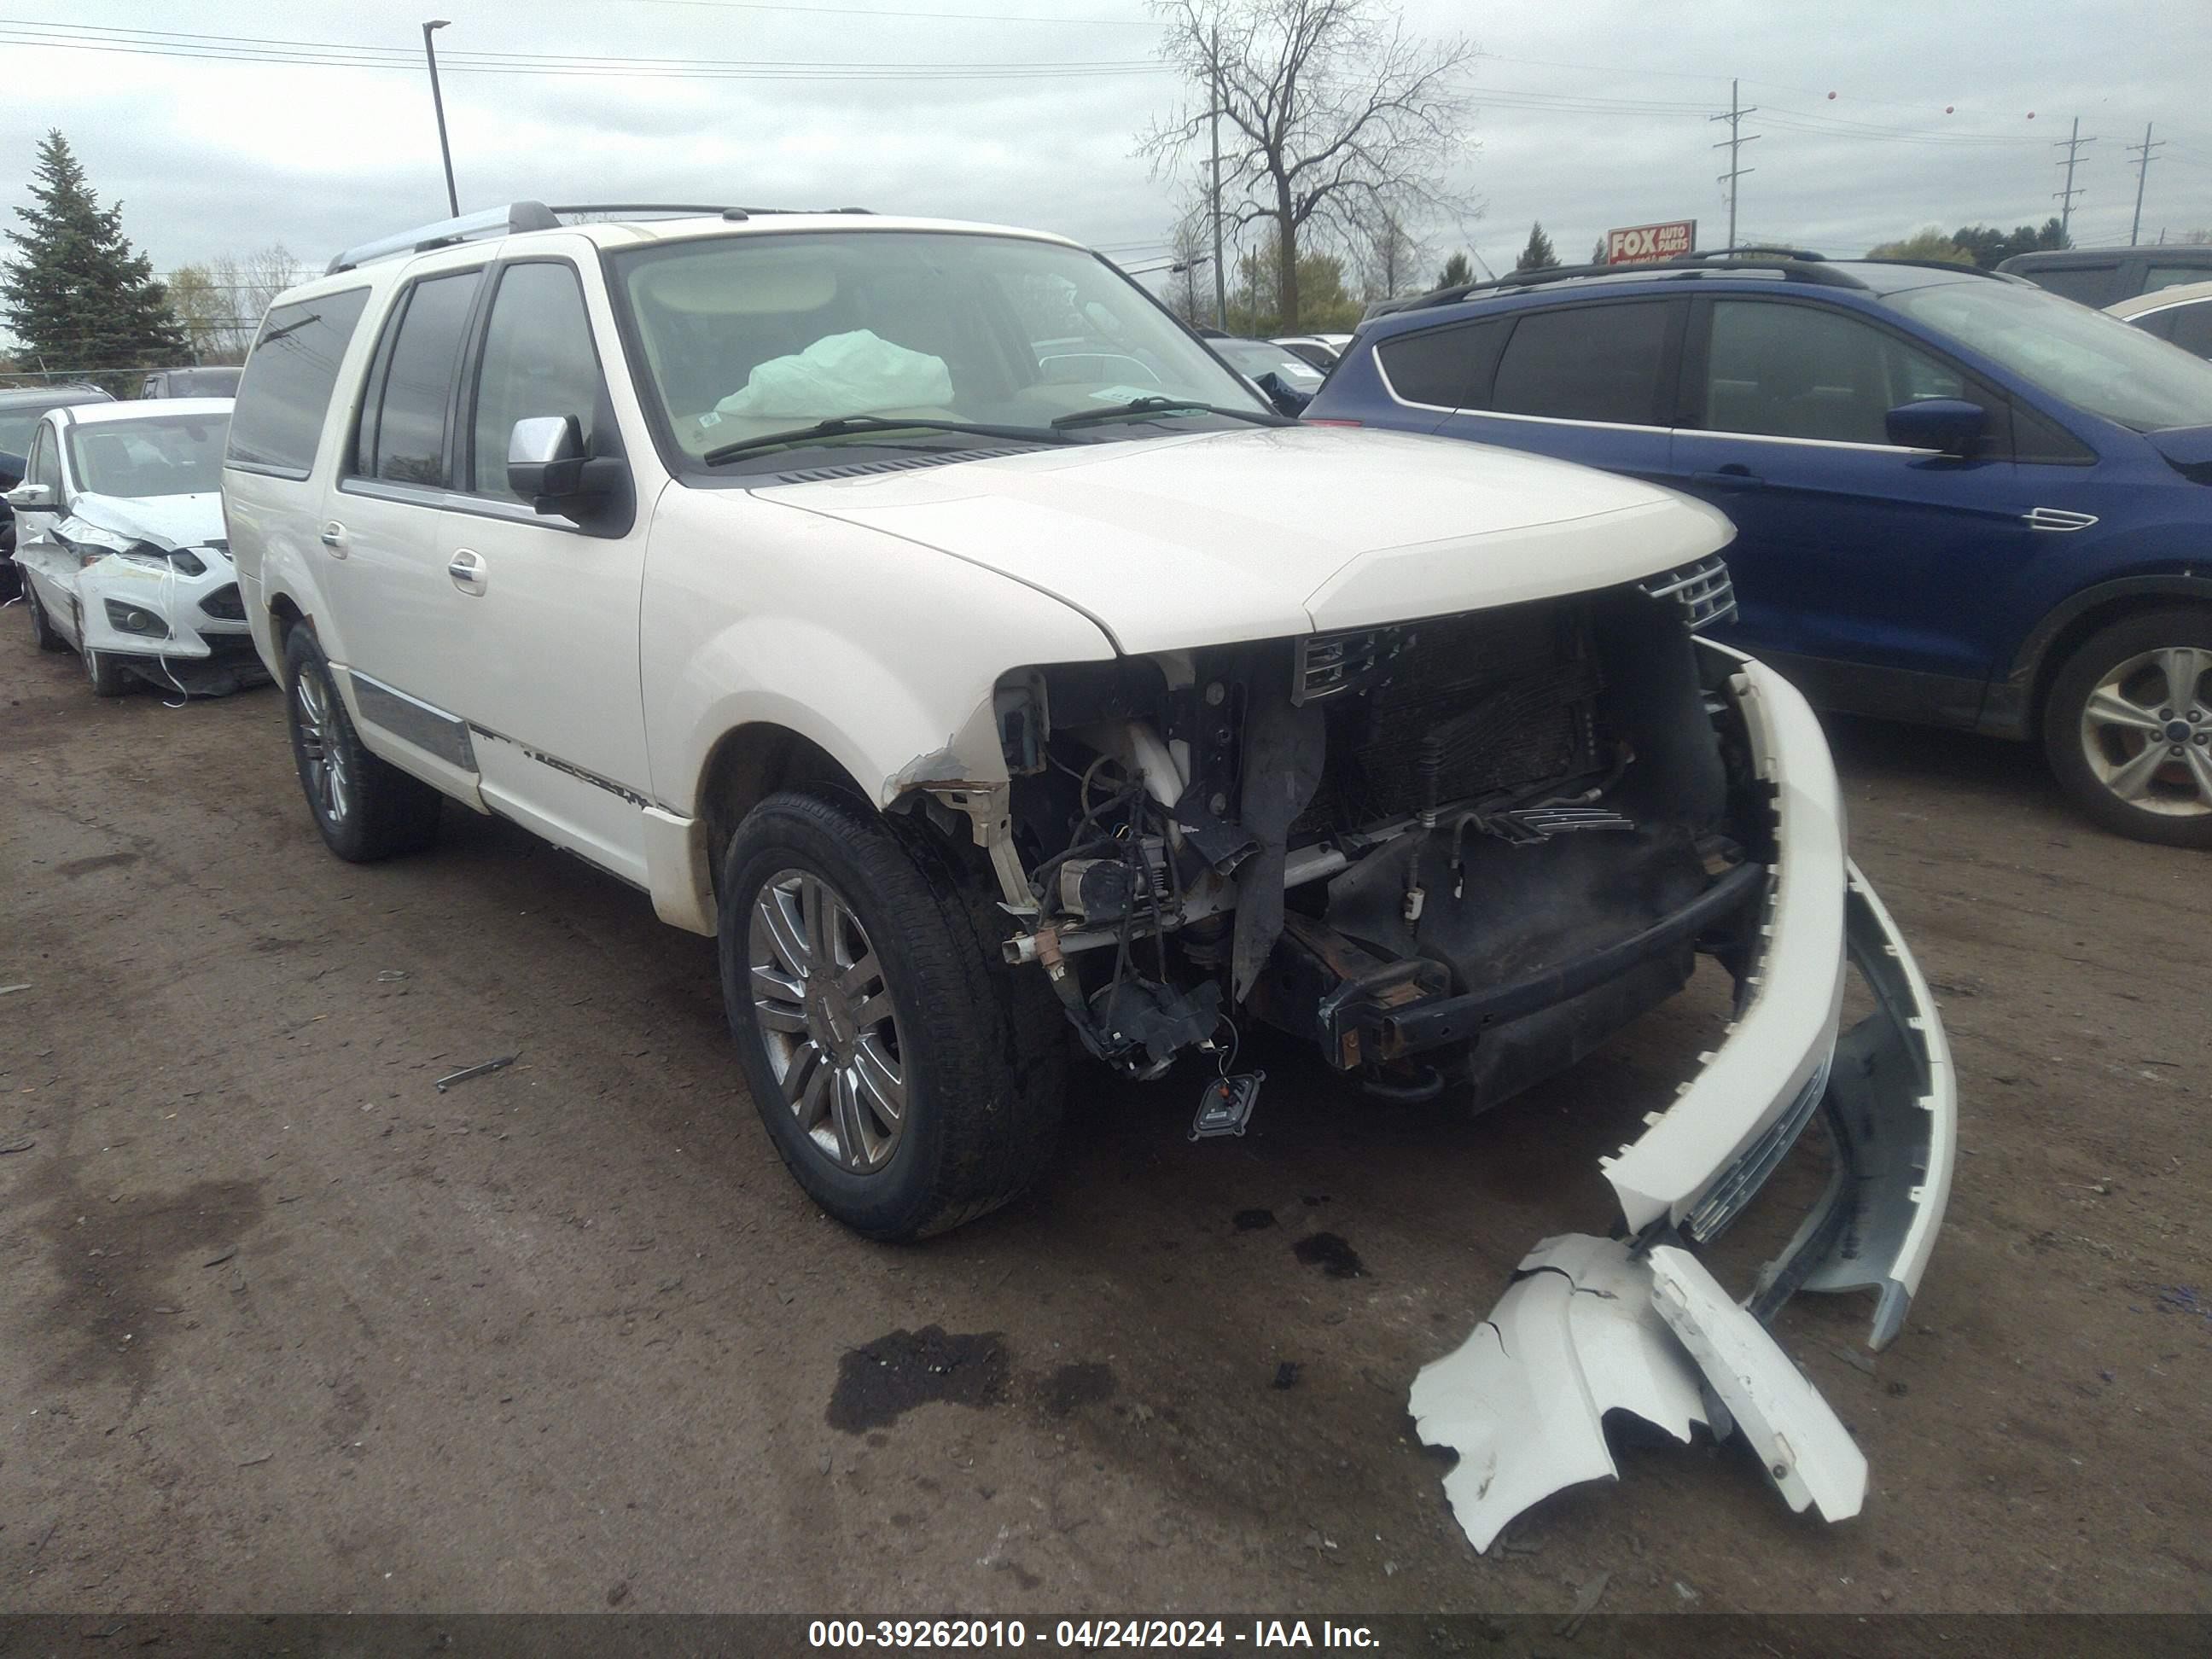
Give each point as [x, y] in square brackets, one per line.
[882, 652]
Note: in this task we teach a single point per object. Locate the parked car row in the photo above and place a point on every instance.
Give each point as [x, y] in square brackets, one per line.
[1958, 499]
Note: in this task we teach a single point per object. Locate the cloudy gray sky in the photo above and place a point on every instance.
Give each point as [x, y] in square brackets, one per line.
[1587, 113]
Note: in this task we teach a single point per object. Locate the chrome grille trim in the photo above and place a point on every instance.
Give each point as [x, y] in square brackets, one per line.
[1704, 590]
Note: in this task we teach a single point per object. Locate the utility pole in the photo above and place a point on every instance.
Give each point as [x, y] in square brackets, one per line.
[1733, 143]
[438, 101]
[1213, 114]
[2072, 145]
[2142, 173]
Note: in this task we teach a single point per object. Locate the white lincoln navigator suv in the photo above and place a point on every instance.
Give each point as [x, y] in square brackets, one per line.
[921, 611]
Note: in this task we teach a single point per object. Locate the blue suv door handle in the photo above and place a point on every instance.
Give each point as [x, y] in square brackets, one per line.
[1728, 477]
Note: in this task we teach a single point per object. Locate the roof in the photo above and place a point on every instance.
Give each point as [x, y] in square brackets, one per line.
[146, 409]
[2074, 259]
[51, 397]
[2158, 299]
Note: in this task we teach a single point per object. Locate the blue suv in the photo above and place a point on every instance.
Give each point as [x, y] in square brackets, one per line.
[1958, 499]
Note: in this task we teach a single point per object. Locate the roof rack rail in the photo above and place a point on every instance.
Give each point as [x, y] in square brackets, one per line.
[519, 216]
[492, 222]
[1796, 265]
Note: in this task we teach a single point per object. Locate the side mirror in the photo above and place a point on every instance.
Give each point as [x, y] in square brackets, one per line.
[32, 498]
[545, 460]
[1950, 426]
[1287, 399]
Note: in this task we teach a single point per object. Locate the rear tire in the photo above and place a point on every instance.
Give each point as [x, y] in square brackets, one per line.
[365, 808]
[2128, 727]
[48, 637]
[860, 972]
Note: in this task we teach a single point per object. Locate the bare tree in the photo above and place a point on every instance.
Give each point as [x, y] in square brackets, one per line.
[1327, 109]
[251, 283]
[1391, 257]
[1191, 290]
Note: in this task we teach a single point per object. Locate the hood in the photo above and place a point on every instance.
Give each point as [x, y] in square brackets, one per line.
[1266, 532]
[168, 521]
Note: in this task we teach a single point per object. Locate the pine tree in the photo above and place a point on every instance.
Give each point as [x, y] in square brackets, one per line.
[1539, 255]
[75, 294]
[1456, 273]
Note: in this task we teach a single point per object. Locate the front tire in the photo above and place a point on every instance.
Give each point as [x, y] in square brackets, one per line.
[2128, 727]
[43, 631]
[365, 808]
[107, 676]
[907, 1078]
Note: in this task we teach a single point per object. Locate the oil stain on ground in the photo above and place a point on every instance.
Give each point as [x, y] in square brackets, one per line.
[1328, 1252]
[880, 1383]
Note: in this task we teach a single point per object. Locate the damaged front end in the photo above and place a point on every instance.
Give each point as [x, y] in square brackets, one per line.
[1451, 854]
[165, 607]
[1456, 854]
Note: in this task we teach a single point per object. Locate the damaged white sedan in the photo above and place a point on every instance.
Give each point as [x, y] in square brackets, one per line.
[120, 541]
[921, 611]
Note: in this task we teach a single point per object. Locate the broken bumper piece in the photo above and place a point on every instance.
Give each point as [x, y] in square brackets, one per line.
[1638, 1324]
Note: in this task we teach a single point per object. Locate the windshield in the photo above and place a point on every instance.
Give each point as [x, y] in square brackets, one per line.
[155, 455]
[1258, 358]
[2093, 361]
[749, 335]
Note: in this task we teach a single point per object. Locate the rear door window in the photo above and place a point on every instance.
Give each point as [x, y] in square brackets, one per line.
[403, 423]
[286, 390]
[1442, 366]
[2092, 285]
[1592, 362]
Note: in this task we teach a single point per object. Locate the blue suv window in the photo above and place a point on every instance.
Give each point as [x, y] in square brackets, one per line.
[1440, 366]
[1587, 363]
[1800, 371]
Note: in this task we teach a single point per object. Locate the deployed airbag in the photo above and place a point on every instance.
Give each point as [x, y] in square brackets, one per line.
[855, 373]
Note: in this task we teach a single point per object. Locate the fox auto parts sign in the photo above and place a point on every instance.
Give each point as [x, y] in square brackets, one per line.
[1641, 244]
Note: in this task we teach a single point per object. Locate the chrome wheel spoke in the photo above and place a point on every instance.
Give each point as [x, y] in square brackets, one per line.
[825, 1014]
[2200, 772]
[2183, 667]
[778, 911]
[2106, 706]
[2130, 780]
[881, 1082]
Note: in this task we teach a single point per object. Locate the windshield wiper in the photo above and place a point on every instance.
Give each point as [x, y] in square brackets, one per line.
[839, 425]
[1157, 405]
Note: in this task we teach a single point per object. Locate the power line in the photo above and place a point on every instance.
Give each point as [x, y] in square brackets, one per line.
[886, 11]
[1734, 144]
[2142, 177]
[2072, 145]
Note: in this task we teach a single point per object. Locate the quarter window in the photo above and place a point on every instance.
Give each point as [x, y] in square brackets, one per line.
[1439, 366]
[538, 361]
[1799, 371]
[286, 390]
[403, 431]
[2191, 327]
[1585, 363]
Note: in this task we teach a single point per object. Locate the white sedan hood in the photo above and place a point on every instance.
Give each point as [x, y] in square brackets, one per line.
[1265, 532]
[168, 521]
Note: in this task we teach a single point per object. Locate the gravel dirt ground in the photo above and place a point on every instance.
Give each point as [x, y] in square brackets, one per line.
[286, 1328]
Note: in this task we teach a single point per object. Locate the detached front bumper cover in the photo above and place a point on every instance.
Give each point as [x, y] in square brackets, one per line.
[1637, 1323]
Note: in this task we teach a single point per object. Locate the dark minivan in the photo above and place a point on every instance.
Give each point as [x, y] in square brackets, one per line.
[2101, 276]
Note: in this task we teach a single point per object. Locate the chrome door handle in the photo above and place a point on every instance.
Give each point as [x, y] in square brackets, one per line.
[467, 570]
[334, 538]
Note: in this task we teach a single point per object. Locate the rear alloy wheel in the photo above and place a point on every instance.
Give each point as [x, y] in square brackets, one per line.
[2129, 727]
[365, 808]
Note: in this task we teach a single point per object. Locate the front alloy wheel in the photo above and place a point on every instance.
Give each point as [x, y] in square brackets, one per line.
[828, 1020]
